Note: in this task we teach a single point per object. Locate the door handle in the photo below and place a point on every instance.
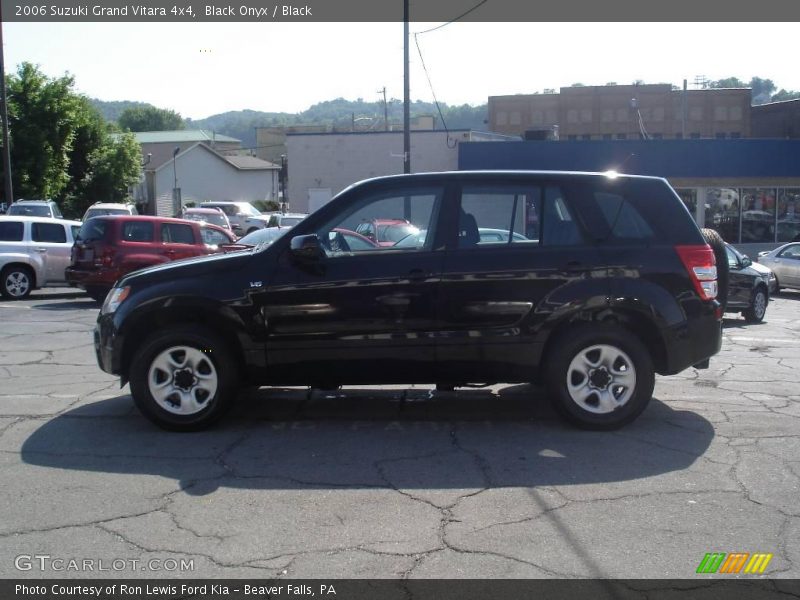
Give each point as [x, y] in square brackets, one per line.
[417, 275]
[42, 250]
[573, 266]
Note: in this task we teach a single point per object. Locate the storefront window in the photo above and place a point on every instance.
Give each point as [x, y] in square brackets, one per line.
[789, 215]
[722, 212]
[758, 215]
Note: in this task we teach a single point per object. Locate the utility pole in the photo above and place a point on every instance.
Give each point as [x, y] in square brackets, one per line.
[385, 110]
[9, 190]
[406, 96]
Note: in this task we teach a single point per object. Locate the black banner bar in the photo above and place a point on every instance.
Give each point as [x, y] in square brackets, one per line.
[384, 589]
[191, 11]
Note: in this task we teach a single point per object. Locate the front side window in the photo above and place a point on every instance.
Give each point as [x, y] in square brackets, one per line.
[49, 233]
[212, 237]
[791, 252]
[174, 233]
[387, 219]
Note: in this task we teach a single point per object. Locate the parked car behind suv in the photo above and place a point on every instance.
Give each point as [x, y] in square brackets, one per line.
[612, 284]
[748, 286]
[99, 209]
[35, 208]
[243, 216]
[215, 216]
[34, 252]
[106, 248]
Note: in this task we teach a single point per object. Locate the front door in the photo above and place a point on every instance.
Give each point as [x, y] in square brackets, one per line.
[363, 313]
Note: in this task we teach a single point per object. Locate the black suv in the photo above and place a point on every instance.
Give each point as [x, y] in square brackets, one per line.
[602, 281]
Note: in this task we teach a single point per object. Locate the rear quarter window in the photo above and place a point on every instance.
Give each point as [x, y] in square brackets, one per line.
[11, 231]
[94, 229]
[137, 231]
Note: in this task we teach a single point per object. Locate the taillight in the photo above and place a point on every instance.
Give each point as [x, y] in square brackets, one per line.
[701, 266]
[106, 258]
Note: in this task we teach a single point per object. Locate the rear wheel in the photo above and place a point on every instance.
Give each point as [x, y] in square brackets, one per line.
[758, 306]
[16, 282]
[599, 376]
[183, 378]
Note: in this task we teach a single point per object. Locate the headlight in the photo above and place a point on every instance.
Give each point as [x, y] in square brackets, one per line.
[114, 299]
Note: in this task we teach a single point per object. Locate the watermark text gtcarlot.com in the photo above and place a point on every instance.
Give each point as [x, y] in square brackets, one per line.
[46, 562]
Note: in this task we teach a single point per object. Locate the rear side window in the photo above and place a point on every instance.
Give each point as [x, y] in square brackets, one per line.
[559, 227]
[137, 231]
[212, 237]
[50, 233]
[622, 218]
[173, 233]
[94, 229]
[11, 231]
[498, 215]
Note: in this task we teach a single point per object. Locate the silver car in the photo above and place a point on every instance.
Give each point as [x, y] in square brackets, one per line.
[34, 252]
[785, 262]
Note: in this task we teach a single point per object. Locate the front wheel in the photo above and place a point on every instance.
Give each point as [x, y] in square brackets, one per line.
[758, 307]
[599, 376]
[183, 378]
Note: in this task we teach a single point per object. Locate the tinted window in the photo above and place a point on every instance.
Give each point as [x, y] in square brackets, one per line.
[137, 231]
[290, 221]
[94, 229]
[48, 233]
[622, 218]
[261, 235]
[559, 228]
[173, 233]
[409, 210]
[497, 215]
[11, 231]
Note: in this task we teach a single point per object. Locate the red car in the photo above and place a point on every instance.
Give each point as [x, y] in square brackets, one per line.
[108, 247]
[386, 232]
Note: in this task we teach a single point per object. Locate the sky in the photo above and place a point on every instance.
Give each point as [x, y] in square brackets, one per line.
[201, 69]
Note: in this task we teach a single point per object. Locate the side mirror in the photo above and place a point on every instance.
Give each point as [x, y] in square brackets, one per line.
[746, 262]
[307, 247]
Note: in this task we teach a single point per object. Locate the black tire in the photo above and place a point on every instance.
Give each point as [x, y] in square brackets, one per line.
[17, 282]
[717, 244]
[206, 357]
[758, 305]
[608, 403]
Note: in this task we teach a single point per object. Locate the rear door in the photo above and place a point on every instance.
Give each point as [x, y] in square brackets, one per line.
[498, 293]
[54, 243]
[178, 241]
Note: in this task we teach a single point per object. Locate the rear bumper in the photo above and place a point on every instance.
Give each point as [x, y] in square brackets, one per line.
[83, 278]
[693, 342]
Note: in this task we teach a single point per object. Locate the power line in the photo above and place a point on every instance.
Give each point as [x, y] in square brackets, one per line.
[461, 16]
[433, 93]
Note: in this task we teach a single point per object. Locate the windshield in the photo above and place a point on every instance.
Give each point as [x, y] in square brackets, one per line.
[29, 210]
[214, 219]
[94, 229]
[290, 221]
[248, 209]
[261, 236]
[99, 212]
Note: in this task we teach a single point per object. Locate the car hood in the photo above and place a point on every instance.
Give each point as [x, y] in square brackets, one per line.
[761, 269]
[189, 267]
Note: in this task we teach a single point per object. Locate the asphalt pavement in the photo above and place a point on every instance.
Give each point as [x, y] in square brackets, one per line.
[393, 481]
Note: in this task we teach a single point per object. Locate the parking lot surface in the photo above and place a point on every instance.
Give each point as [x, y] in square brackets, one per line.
[390, 481]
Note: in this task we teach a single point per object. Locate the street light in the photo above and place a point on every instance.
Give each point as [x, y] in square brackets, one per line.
[176, 192]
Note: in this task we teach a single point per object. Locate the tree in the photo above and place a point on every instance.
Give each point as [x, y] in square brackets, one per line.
[729, 82]
[149, 118]
[43, 117]
[113, 168]
[784, 95]
[762, 90]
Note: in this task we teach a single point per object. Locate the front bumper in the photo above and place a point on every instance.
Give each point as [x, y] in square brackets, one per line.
[107, 345]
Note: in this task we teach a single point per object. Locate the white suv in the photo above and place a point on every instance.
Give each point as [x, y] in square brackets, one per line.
[34, 252]
[35, 208]
[243, 216]
[100, 209]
